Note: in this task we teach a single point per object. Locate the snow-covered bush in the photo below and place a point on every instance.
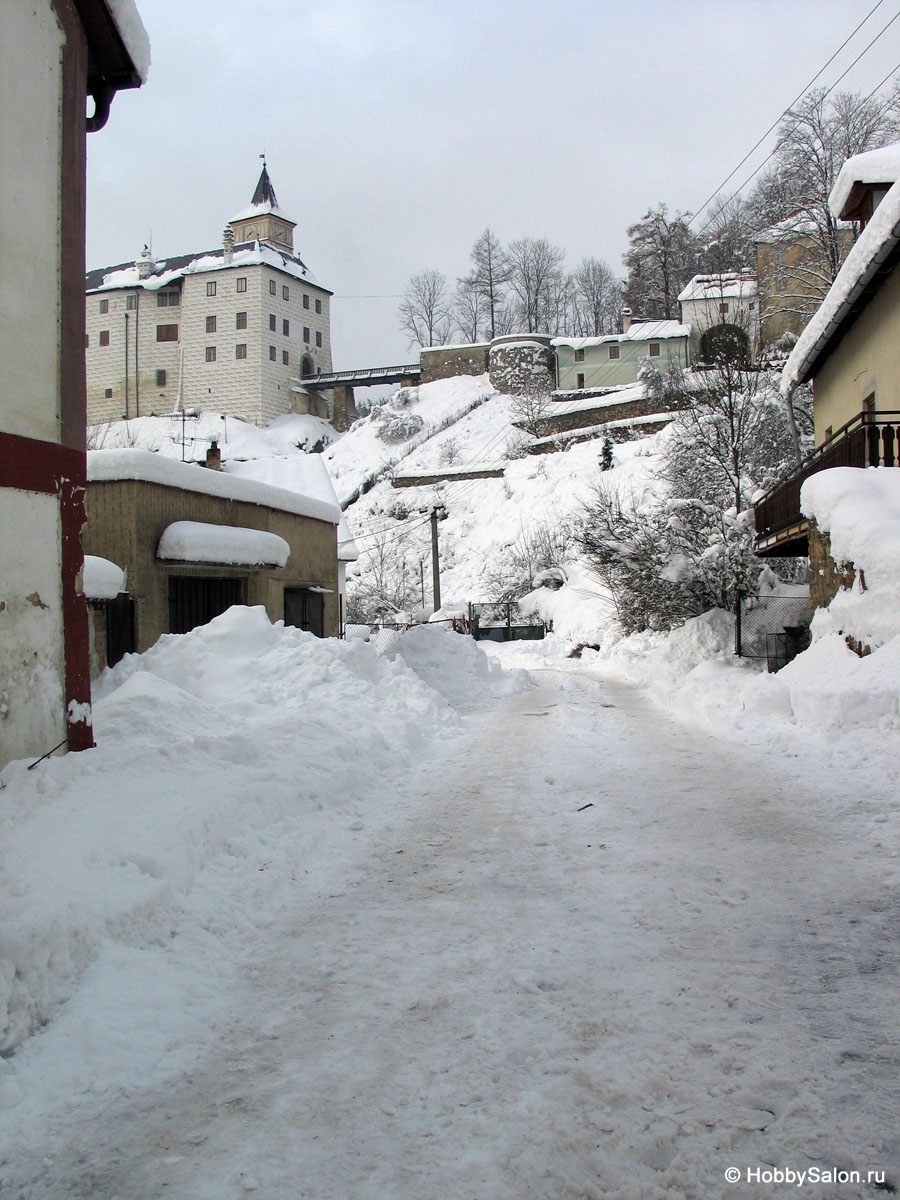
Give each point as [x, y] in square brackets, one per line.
[396, 426]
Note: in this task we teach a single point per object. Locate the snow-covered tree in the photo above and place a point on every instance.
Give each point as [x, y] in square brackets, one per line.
[661, 259]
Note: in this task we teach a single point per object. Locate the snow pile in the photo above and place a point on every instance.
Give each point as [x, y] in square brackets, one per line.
[102, 579]
[203, 743]
[178, 436]
[872, 166]
[133, 34]
[453, 666]
[860, 511]
[198, 541]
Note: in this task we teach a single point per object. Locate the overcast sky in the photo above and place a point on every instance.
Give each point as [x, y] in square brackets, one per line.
[395, 131]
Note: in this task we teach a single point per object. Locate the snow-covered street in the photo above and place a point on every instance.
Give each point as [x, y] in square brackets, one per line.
[579, 950]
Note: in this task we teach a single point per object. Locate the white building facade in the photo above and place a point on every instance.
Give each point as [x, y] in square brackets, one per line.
[721, 306]
[232, 330]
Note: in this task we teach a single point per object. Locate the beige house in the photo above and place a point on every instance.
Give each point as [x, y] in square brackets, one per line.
[850, 351]
[231, 330]
[192, 541]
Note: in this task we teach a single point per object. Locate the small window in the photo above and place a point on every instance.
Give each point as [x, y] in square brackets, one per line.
[241, 284]
[104, 337]
[273, 354]
[240, 320]
[579, 356]
[285, 293]
[210, 354]
[167, 333]
[285, 357]
[273, 324]
[211, 288]
[305, 300]
[131, 301]
[104, 306]
[614, 352]
[162, 299]
[240, 350]
[273, 290]
[107, 393]
[286, 328]
[306, 334]
[580, 382]
[210, 324]
[318, 306]
[318, 339]
[654, 349]
[160, 379]
[723, 309]
[175, 297]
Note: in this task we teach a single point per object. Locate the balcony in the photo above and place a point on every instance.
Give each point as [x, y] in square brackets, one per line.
[868, 440]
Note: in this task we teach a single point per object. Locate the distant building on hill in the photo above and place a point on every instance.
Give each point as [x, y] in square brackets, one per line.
[231, 330]
[721, 311]
[606, 362]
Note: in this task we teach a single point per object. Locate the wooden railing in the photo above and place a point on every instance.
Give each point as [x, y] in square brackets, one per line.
[868, 440]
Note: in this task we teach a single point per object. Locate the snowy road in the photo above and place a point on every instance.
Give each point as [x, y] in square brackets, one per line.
[583, 952]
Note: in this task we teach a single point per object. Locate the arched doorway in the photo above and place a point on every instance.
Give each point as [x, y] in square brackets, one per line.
[725, 343]
[307, 367]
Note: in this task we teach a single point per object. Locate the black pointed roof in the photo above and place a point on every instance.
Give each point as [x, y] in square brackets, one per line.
[265, 193]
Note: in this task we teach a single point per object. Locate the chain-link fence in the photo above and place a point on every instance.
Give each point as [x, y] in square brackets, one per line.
[773, 628]
[385, 635]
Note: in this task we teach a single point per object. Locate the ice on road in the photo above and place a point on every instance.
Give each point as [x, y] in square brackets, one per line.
[582, 951]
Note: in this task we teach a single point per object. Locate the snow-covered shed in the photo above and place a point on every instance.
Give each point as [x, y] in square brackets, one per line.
[605, 362]
[195, 541]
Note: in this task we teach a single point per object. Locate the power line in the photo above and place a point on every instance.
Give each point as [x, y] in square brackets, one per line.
[774, 124]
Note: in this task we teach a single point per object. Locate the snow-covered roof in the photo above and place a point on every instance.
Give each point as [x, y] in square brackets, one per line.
[875, 245]
[198, 541]
[133, 34]
[108, 465]
[264, 201]
[640, 331]
[874, 166]
[101, 579]
[719, 287]
[168, 271]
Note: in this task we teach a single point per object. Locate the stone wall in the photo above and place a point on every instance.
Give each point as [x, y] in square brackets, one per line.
[522, 364]
[584, 417]
[826, 577]
[446, 362]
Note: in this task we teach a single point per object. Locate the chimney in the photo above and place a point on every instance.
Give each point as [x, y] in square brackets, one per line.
[145, 264]
[626, 319]
[214, 457]
[228, 243]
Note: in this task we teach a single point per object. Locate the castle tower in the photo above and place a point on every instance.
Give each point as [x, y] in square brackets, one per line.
[262, 220]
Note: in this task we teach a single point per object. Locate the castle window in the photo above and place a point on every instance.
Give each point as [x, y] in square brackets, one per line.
[579, 356]
[273, 290]
[169, 299]
[107, 393]
[273, 324]
[723, 309]
[210, 354]
[306, 334]
[160, 379]
[167, 333]
[241, 283]
[211, 288]
[240, 350]
[305, 300]
[104, 306]
[286, 293]
[614, 352]
[131, 301]
[240, 320]
[104, 337]
[654, 349]
[285, 358]
[273, 354]
[318, 306]
[318, 339]
[286, 328]
[210, 324]
[580, 382]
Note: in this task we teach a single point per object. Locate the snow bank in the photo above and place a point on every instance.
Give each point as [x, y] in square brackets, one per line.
[203, 742]
[453, 666]
[860, 511]
[102, 579]
[198, 541]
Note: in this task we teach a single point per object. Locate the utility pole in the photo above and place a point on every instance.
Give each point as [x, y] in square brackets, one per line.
[437, 512]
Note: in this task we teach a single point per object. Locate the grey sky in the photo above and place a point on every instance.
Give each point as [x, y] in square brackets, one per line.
[396, 131]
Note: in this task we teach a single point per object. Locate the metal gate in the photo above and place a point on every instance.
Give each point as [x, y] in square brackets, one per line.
[305, 609]
[194, 602]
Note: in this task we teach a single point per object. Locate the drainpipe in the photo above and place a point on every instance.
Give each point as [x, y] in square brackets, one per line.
[137, 345]
[126, 364]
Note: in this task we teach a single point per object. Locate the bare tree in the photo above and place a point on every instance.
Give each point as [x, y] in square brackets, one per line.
[489, 276]
[536, 277]
[469, 310]
[425, 309]
[727, 236]
[597, 299]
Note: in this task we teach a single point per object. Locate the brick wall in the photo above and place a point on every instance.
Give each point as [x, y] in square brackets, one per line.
[126, 518]
[826, 577]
